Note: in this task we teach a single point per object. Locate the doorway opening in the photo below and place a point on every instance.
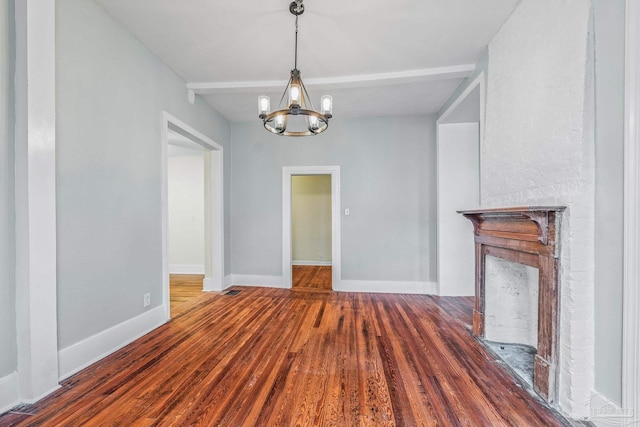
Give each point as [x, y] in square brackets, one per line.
[311, 232]
[460, 131]
[186, 198]
[206, 260]
[311, 227]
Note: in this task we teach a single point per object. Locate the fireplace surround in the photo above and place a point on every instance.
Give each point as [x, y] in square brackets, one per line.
[527, 235]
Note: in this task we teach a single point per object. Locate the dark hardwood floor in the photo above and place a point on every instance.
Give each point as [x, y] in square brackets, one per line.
[311, 277]
[184, 288]
[277, 357]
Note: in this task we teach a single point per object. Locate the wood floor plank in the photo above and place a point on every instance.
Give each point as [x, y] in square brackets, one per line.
[183, 288]
[277, 357]
[311, 277]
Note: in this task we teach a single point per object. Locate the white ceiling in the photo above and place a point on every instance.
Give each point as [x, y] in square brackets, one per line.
[375, 57]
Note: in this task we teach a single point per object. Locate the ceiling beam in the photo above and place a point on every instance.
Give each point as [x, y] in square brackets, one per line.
[361, 80]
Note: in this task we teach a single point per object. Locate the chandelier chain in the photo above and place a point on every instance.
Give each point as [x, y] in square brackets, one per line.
[295, 61]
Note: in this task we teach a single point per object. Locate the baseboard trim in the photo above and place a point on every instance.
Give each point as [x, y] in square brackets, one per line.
[42, 396]
[603, 412]
[379, 286]
[257, 281]
[303, 262]
[80, 355]
[386, 286]
[186, 269]
[228, 281]
[9, 392]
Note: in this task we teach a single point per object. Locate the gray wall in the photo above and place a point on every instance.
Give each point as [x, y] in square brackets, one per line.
[8, 361]
[609, 85]
[387, 181]
[111, 91]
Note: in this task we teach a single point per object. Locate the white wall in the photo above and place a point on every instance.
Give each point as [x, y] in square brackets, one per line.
[311, 219]
[8, 358]
[186, 210]
[538, 150]
[387, 165]
[458, 189]
[111, 92]
[609, 23]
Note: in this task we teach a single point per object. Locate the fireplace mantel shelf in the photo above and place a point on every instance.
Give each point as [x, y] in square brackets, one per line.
[528, 235]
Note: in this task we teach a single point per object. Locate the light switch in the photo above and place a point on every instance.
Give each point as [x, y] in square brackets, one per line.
[347, 212]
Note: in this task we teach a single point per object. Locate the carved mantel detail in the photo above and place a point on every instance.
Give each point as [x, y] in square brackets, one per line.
[531, 236]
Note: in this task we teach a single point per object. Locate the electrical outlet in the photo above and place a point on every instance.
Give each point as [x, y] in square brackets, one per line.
[147, 300]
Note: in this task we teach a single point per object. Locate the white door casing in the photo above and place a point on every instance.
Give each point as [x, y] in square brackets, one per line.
[214, 208]
[287, 173]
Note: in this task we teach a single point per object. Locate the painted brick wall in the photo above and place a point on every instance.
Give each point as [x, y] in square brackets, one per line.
[512, 302]
[538, 150]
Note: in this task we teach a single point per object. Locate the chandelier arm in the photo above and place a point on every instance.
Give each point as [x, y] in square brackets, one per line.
[301, 112]
[284, 132]
[284, 93]
[304, 88]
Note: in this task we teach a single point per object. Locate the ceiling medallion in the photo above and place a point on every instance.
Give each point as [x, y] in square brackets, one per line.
[298, 118]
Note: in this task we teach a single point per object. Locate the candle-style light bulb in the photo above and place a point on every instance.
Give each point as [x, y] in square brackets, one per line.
[294, 95]
[279, 122]
[264, 105]
[326, 105]
[314, 123]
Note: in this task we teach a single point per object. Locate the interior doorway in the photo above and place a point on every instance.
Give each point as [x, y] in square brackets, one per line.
[176, 135]
[186, 200]
[311, 232]
[305, 190]
[459, 131]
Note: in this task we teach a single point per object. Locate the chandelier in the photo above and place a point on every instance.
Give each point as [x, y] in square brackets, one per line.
[298, 117]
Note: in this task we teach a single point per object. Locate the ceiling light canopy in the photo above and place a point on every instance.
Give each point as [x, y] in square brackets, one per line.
[297, 117]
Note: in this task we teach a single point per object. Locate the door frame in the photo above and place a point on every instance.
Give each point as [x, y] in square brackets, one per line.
[214, 207]
[287, 173]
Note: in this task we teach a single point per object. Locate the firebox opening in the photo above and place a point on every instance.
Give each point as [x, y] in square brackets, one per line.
[511, 314]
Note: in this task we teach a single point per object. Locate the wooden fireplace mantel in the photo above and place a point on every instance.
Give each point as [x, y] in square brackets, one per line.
[527, 235]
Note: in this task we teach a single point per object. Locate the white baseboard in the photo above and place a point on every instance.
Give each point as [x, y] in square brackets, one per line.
[302, 262]
[385, 286]
[382, 286]
[228, 281]
[9, 392]
[80, 355]
[186, 269]
[41, 396]
[604, 412]
[254, 280]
